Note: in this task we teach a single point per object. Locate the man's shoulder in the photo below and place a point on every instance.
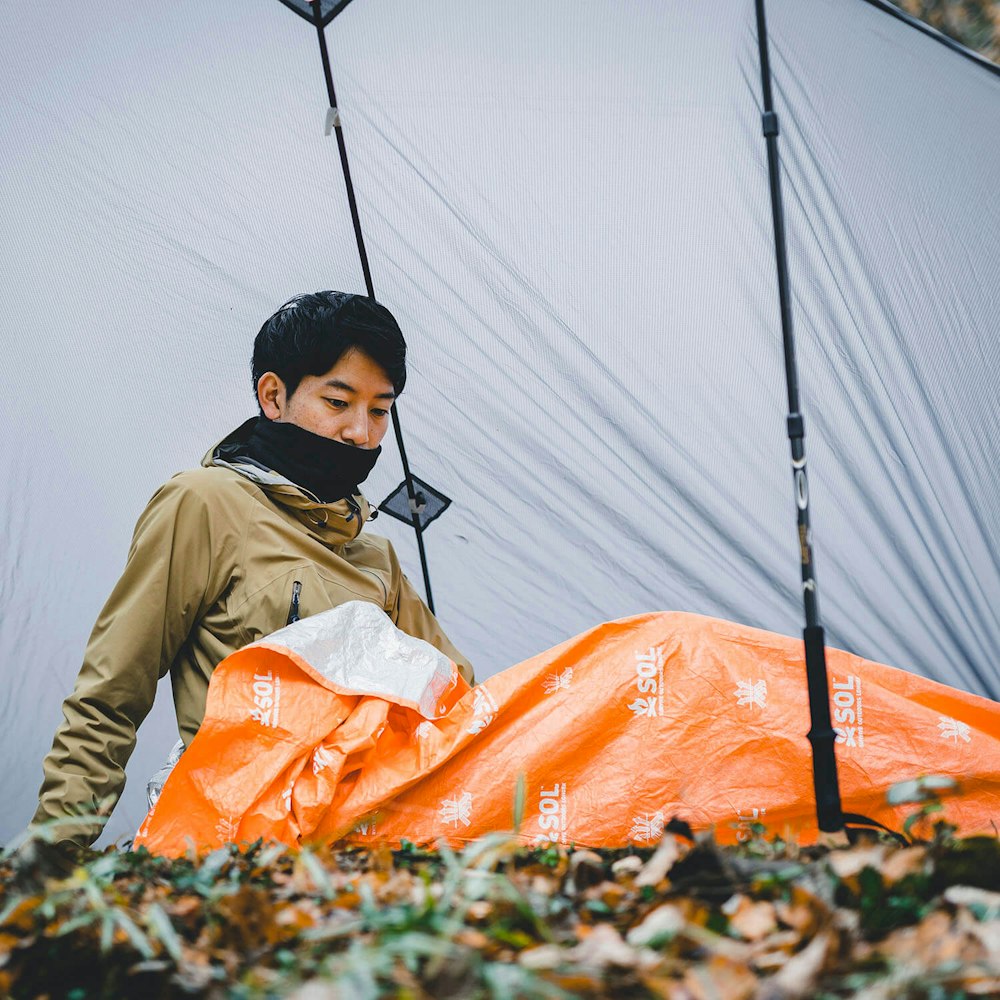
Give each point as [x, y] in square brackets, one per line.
[209, 488]
[209, 481]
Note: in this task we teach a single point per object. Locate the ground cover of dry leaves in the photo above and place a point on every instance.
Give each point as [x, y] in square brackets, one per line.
[688, 919]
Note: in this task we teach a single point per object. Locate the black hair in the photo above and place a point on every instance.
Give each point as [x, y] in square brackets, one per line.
[311, 332]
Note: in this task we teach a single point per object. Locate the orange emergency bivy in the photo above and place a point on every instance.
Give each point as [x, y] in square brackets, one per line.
[340, 726]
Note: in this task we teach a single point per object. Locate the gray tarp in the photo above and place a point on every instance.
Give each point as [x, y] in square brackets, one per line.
[566, 207]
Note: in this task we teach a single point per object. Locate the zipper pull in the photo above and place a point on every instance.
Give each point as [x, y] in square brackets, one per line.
[293, 608]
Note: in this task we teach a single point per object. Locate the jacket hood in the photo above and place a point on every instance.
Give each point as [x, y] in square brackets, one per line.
[335, 523]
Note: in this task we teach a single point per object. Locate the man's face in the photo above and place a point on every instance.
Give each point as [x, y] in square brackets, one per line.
[350, 403]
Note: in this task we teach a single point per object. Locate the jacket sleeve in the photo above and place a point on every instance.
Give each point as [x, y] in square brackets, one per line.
[410, 614]
[163, 591]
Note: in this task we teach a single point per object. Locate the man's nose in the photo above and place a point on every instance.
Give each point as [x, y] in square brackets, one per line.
[356, 430]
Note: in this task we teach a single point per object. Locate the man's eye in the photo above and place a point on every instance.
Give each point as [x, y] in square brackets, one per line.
[380, 413]
[337, 403]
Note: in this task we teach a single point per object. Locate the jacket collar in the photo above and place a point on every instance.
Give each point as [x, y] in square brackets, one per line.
[334, 523]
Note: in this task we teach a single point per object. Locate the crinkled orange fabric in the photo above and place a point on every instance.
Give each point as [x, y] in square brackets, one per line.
[616, 731]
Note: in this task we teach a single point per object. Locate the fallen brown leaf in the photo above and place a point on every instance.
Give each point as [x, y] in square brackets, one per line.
[847, 865]
[658, 926]
[773, 952]
[544, 957]
[627, 866]
[720, 977]
[797, 979]
[604, 946]
[752, 921]
[970, 896]
[668, 851]
[902, 862]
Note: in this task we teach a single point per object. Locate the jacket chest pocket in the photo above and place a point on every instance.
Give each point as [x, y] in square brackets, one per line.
[298, 593]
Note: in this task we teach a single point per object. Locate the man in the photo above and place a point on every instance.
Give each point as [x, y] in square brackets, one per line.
[267, 531]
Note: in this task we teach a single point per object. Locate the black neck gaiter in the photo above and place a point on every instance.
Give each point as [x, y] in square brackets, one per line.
[330, 470]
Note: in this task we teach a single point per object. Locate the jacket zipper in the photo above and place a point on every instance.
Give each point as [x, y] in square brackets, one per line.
[293, 608]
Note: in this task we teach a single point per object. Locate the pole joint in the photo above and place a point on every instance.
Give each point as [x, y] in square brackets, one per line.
[770, 122]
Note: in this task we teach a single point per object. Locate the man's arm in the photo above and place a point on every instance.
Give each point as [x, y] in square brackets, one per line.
[164, 590]
[410, 614]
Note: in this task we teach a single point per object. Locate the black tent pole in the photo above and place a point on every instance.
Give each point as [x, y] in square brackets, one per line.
[821, 735]
[334, 119]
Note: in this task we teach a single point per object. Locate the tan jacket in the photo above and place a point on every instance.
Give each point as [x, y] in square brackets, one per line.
[213, 564]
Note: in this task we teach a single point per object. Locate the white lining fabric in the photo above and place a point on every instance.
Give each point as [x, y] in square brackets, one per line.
[357, 648]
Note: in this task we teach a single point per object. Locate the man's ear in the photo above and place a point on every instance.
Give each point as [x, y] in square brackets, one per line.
[271, 396]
